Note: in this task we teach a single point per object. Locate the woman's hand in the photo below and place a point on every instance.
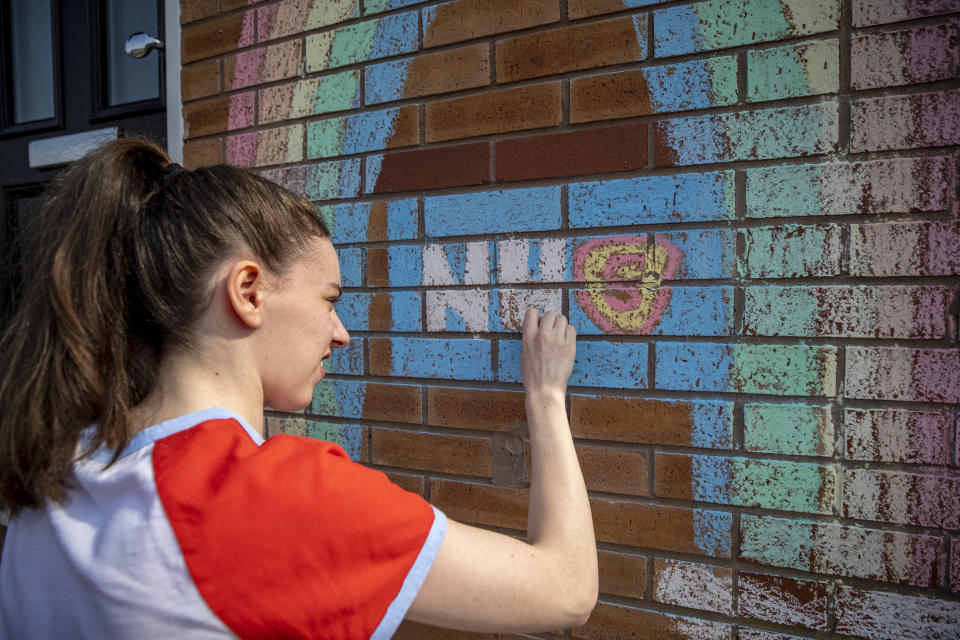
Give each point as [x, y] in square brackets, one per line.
[549, 348]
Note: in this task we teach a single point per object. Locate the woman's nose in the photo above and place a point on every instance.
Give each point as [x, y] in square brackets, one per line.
[340, 336]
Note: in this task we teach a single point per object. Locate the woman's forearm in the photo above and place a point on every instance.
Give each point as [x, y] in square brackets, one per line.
[559, 519]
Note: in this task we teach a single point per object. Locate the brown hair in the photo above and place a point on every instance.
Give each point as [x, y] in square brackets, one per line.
[99, 302]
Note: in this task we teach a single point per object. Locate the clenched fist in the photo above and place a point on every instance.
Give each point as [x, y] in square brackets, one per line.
[549, 348]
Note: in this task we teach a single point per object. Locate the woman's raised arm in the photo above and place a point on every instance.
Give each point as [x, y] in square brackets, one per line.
[486, 581]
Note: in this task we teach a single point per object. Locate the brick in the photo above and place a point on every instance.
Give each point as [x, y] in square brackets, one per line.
[696, 84]
[782, 600]
[371, 221]
[693, 585]
[577, 153]
[384, 37]
[896, 185]
[479, 311]
[788, 429]
[547, 53]
[408, 482]
[460, 165]
[620, 365]
[688, 423]
[747, 135]
[680, 29]
[530, 260]
[695, 531]
[508, 307]
[320, 181]
[614, 470]
[365, 131]
[685, 197]
[200, 80]
[347, 360]
[428, 74]
[351, 266]
[393, 311]
[335, 92]
[456, 263]
[290, 178]
[747, 368]
[351, 437]
[461, 455]
[202, 153]
[502, 111]
[212, 38]
[907, 56]
[905, 249]
[484, 409]
[900, 373]
[458, 310]
[508, 210]
[838, 550]
[512, 458]
[909, 312]
[954, 564]
[481, 503]
[622, 574]
[793, 71]
[395, 266]
[291, 17]
[218, 115]
[409, 630]
[871, 12]
[637, 310]
[616, 622]
[345, 398]
[894, 616]
[468, 19]
[905, 122]
[766, 484]
[705, 254]
[587, 8]
[792, 251]
[898, 435]
[431, 358]
[262, 65]
[905, 498]
[198, 10]
[266, 146]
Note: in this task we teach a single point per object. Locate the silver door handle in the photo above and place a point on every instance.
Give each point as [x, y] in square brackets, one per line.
[140, 44]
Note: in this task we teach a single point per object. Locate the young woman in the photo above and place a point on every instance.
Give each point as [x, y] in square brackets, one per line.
[160, 310]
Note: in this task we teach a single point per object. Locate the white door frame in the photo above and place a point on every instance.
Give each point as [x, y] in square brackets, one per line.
[171, 30]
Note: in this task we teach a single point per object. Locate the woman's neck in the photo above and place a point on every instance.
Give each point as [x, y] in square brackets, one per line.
[186, 384]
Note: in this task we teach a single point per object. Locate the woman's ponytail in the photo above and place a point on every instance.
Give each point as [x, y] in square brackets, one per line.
[65, 357]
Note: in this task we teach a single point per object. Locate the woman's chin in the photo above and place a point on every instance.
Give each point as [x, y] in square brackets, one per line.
[291, 404]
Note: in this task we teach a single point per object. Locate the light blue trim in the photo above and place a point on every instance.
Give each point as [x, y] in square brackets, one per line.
[159, 431]
[414, 580]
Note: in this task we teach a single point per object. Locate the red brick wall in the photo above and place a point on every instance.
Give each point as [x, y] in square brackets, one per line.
[748, 208]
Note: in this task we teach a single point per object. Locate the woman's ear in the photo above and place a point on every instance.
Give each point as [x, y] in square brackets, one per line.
[245, 291]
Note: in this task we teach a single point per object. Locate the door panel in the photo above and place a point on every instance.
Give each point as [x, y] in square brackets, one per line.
[95, 85]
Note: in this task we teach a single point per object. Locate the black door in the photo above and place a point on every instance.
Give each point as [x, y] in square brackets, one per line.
[67, 83]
